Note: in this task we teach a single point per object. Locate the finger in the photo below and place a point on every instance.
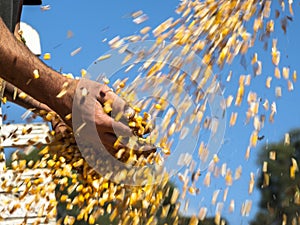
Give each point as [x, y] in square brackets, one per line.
[118, 104]
[119, 128]
[145, 150]
[105, 123]
[115, 148]
[107, 139]
[137, 148]
[106, 94]
[112, 141]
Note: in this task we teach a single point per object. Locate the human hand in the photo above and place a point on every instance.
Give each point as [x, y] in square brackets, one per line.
[90, 116]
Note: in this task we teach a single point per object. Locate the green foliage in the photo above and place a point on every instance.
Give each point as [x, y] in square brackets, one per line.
[280, 196]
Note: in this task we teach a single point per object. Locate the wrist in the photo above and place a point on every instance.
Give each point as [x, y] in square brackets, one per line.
[62, 103]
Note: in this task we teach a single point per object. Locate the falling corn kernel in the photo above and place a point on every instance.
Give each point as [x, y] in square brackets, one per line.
[206, 181]
[36, 74]
[231, 206]
[287, 139]
[278, 92]
[4, 99]
[272, 155]
[215, 196]
[83, 73]
[76, 51]
[285, 72]
[238, 173]
[277, 73]
[202, 213]
[216, 158]
[233, 118]
[158, 106]
[103, 57]
[265, 167]
[229, 101]
[61, 93]
[246, 208]
[268, 82]
[253, 138]
[47, 56]
[145, 30]
[68, 117]
[290, 86]
[107, 108]
[295, 76]
[22, 95]
[266, 104]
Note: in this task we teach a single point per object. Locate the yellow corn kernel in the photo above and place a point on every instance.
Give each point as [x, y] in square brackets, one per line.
[36, 74]
[22, 95]
[47, 56]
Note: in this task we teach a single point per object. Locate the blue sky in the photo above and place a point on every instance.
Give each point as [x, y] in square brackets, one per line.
[94, 20]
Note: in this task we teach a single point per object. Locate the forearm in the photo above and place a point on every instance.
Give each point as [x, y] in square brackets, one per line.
[12, 94]
[17, 66]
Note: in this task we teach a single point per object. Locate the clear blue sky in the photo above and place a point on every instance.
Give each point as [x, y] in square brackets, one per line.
[92, 21]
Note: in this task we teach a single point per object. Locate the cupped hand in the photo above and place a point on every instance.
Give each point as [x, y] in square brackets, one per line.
[94, 124]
